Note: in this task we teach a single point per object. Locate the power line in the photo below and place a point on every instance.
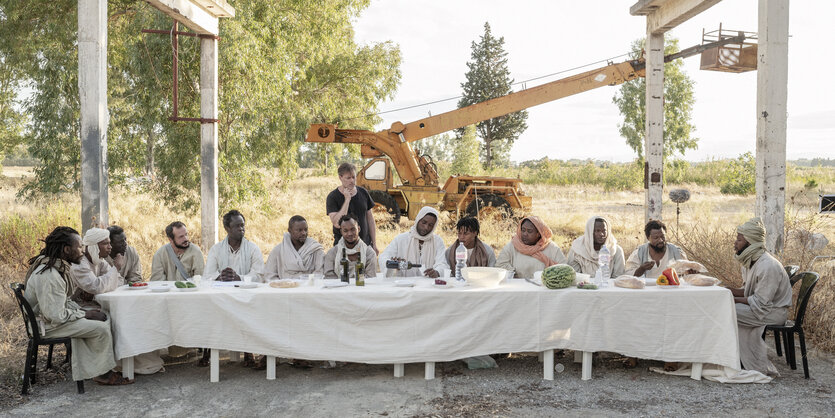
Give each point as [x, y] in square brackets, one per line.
[514, 84]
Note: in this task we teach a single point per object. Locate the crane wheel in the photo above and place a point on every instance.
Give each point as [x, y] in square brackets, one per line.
[386, 210]
[489, 206]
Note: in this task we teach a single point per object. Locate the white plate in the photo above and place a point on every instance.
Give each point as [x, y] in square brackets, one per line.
[404, 283]
[138, 287]
[336, 284]
[160, 289]
[670, 286]
[248, 285]
[188, 289]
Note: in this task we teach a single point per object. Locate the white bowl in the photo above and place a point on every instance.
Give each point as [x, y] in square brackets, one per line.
[483, 276]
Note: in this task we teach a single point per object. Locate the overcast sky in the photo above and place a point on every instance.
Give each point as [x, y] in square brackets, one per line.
[546, 36]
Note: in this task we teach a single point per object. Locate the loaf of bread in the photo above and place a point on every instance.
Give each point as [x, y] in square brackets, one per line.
[629, 282]
[683, 266]
[700, 280]
[284, 283]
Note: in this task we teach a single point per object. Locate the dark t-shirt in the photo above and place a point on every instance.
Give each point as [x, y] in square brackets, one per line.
[359, 206]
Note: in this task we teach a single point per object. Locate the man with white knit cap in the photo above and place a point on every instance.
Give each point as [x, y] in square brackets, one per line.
[764, 299]
[93, 275]
[418, 246]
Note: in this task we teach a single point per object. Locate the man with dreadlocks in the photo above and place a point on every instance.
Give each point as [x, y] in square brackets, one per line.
[92, 275]
[764, 299]
[48, 289]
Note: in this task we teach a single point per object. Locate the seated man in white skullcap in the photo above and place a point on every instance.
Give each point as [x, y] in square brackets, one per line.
[93, 275]
[418, 246]
[764, 299]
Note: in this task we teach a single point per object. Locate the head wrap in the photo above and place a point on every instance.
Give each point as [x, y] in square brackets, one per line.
[536, 249]
[426, 210]
[418, 248]
[584, 245]
[754, 233]
[91, 239]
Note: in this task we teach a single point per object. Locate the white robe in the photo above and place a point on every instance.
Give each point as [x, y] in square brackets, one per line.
[284, 262]
[248, 262]
[399, 247]
[100, 278]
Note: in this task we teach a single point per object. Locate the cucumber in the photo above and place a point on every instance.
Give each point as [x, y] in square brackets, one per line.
[180, 285]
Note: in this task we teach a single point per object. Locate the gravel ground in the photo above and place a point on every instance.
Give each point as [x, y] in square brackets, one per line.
[515, 388]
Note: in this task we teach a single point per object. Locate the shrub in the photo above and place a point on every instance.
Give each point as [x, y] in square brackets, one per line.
[740, 176]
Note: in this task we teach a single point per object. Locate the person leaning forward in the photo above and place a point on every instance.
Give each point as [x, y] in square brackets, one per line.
[652, 258]
[92, 275]
[348, 198]
[355, 250]
[530, 250]
[48, 286]
[128, 264]
[180, 259]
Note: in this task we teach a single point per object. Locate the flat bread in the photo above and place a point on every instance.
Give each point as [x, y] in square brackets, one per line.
[682, 266]
[629, 282]
[284, 284]
[700, 280]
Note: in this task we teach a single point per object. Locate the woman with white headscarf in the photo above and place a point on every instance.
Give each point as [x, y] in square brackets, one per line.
[421, 245]
[585, 250]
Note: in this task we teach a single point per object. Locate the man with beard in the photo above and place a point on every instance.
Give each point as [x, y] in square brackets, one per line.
[297, 254]
[131, 269]
[652, 258]
[48, 286]
[418, 246]
[348, 198]
[585, 250]
[479, 254]
[764, 299]
[530, 250]
[180, 259]
[92, 275]
[355, 250]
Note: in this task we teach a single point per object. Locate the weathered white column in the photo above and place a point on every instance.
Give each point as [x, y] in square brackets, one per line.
[92, 91]
[654, 134]
[772, 81]
[208, 142]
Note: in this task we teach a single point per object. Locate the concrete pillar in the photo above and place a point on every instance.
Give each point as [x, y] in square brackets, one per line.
[654, 134]
[92, 91]
[208, 142]
[772, 81]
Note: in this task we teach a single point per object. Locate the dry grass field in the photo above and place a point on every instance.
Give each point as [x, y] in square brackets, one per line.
[706, 232]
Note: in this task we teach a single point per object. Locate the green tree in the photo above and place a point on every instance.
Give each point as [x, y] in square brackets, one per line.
[465, 157]
[487, 78]
[282, 65]
[739, 176]
[678, 106]
[11, 120]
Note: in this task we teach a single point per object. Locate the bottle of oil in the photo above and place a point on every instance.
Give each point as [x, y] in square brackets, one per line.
[344, 264]
[360, 273]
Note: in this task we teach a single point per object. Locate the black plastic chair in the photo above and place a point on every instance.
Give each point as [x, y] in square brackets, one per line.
[30, 369]
[808, 281]
[792, 272]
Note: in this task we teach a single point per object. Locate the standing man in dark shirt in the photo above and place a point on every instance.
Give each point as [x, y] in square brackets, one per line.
[350, 199]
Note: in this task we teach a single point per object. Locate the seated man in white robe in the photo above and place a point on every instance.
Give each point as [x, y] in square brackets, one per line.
[131, 269]
[530, 250]
[296, 255]
[418, 246]
[48, 286]
[764, 299]
[180, 259]
[355, 250]
[234, 259]
[92, 275]
[652, 257]
[584, 252]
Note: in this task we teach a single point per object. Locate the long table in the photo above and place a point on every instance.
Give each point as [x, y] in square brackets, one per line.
[384, 324]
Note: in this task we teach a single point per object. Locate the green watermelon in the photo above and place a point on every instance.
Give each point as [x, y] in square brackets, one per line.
[559, 276]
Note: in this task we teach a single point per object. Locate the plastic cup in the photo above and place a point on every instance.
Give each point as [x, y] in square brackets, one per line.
[446, 273]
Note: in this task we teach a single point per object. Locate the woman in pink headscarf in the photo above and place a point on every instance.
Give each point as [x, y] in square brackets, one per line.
[530, 250]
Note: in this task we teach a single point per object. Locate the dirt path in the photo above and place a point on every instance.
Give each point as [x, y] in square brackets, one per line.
[514, 389]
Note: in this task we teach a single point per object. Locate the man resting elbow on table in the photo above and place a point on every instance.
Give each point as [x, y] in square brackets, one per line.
[418, 246]
[530, 250]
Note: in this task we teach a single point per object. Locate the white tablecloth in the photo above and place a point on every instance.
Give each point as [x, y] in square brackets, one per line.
[380, 323]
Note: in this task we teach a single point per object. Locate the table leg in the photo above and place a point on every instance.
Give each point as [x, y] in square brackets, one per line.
[587, 358]
[270, 367]
[696, 371]
[578, 356]
[127, 367]
[235, 356]
[214, 366]
[548, 364]
[399, 370]
[429, 373]
[540, 357]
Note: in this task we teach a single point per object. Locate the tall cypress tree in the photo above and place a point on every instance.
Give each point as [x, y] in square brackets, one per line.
[487, 78]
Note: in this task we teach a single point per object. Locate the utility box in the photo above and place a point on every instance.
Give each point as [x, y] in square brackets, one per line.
[733, 57]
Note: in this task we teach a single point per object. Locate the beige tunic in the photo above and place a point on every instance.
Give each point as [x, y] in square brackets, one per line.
[769, 296]
[100, 278]
[617, 265]
[92, 342]
[163, 268]
[524, 265]
[132, 270]
[635, 261]
[370, 263]
[284, 262]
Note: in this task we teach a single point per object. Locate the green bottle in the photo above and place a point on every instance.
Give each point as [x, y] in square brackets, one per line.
[360, 273]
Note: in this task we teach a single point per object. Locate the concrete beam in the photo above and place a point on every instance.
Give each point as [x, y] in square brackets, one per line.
[92, 91]
[654, 133]
[190, 14]
[217, 8]
[664, 15]
[772, 91]
[208, 143]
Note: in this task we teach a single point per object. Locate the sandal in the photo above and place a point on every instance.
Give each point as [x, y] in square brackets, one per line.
[261, 364]
[630, 362]
[671, 367]
[112, 379]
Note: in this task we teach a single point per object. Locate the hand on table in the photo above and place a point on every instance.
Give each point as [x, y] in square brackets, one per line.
[229, 275]
[95, 315]
[431, 273]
